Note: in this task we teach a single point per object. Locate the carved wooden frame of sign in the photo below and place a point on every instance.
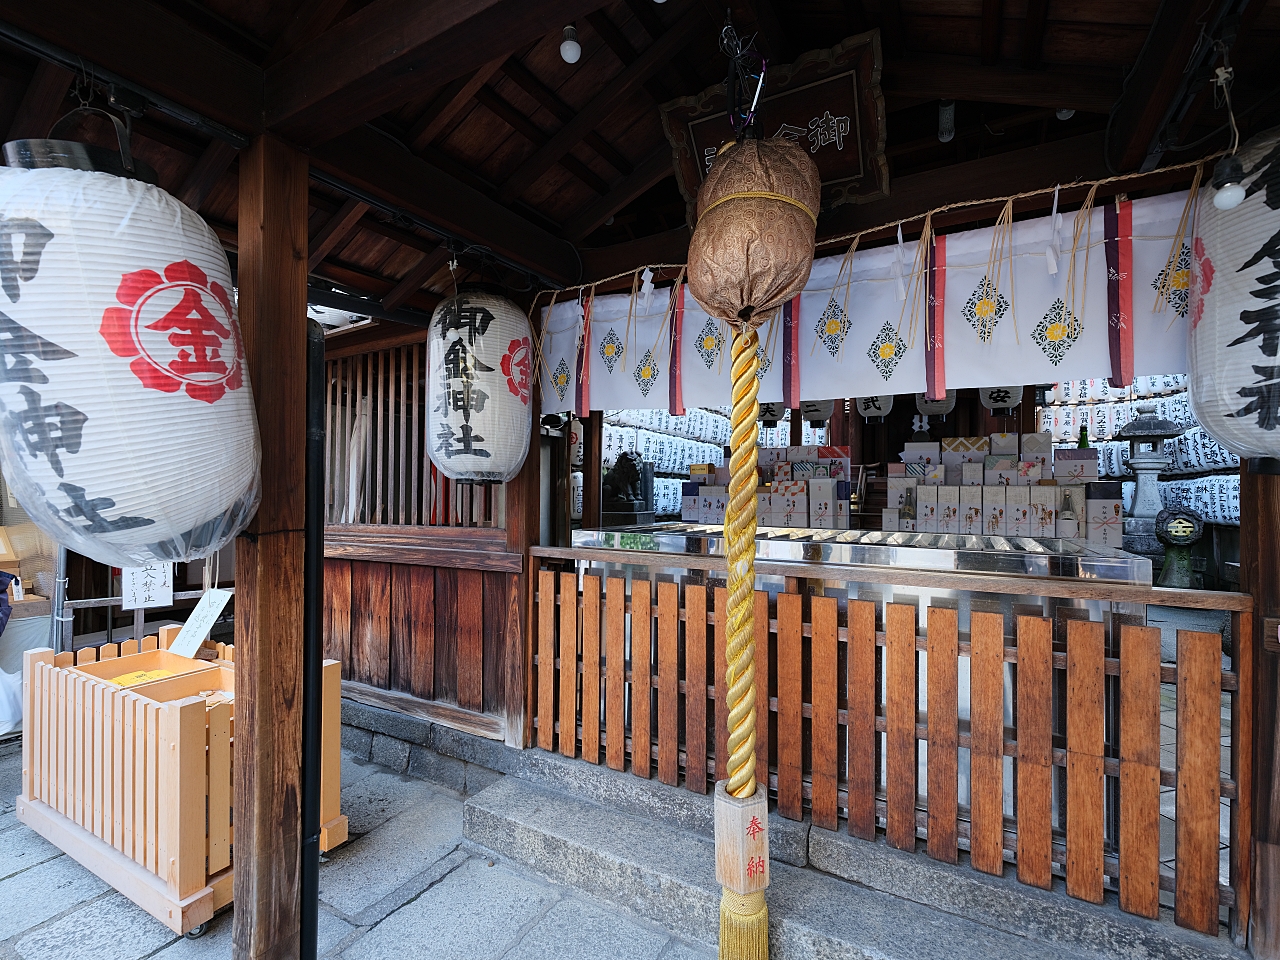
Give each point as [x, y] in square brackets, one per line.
[829, 99]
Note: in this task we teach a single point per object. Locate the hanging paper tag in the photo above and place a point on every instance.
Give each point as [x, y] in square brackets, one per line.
[1053, 252]
[895, 269]
[646, 287]
[199, 623]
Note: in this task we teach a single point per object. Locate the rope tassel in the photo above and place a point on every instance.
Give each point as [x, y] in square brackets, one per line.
[744, 927]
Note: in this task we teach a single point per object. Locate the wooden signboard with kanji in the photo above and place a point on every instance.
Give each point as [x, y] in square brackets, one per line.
[827, 100]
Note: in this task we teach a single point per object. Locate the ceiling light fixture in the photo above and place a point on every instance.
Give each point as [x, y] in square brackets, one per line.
[946, 120]
[1065, 113]
[1227, 174]
[570, 49]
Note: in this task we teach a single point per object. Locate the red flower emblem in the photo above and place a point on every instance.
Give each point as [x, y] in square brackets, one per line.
[178, 331]
[1201, 280]
[515, 367]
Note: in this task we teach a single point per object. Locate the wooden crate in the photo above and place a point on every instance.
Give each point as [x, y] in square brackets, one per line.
[136, 783]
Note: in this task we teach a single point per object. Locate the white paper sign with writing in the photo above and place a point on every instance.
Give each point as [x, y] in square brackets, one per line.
[149, 586]
[200, 623]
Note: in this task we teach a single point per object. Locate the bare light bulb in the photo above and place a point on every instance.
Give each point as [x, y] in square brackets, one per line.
[570, 49]
[1227, 174]
[946, 120]
[1065, 113]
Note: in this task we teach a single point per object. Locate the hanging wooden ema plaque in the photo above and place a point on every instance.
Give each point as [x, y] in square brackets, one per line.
[827, 101]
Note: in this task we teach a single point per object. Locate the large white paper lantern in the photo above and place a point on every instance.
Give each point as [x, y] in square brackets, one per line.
[480, 371]
[127, 426]
[1234, 352]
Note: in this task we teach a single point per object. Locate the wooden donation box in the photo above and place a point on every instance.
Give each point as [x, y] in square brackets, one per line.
[126, 767]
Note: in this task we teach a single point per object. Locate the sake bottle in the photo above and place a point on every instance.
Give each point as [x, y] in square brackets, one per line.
[1084, 437]
[1068, 523]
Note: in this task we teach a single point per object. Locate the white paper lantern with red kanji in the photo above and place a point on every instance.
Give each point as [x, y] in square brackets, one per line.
[479, 378]
[1234, 350]
[127, 426]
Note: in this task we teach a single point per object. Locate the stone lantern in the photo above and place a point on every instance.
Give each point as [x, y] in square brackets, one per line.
[1146, 435]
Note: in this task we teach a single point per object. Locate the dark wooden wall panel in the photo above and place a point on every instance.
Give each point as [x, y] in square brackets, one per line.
[470, 659]
[446, 676]
[337, 613]
[370, 622]
[498, 588]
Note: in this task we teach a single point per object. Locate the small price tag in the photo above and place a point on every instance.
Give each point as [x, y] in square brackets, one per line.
[149, 586]
[199, 623]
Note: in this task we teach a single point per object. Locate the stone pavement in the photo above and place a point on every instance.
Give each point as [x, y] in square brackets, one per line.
[405, 886]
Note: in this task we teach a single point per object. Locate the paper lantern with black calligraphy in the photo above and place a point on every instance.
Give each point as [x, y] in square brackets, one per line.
[1234, 305]
[127, 426]
[480, 372]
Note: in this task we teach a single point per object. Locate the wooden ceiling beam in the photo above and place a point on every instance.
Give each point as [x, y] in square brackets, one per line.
[403, 237]
[372, 284]
[958, 78]
[652, 24]
[616, 41]
[145, 43]
[653, 169]
[335, 230]
[312, 18]
[1157, 81]
[1033, 30]
[418, 274]
[391, 50]
[602, 104]
[992, 14]
[373, 164]
[42, 103]
[456, 95]
[204, 176]
[488, 98]
[521, 76]
[893, 29]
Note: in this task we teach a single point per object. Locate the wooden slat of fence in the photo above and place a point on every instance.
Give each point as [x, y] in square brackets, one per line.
[77, 748]
[569, 664]
[641, 675]
[60, 727]
[94, 822]
[139, 809]
[591, 669]
[86, 655]
[1199, 752]
[722, 705]
[615, 636]
[1035, 751]
[668, 682]
[986, 753]
[220, 787]
[1242, 773]
[1140, 770]
[153, 774]
[944, 731]
[1085, 694]
[546, 659]
[861, 728]
[825, 760]
[790, 706]
[695, 687]
[109, 651]
[128, 648]
[762, 661]
[122, 772]
[900, 725]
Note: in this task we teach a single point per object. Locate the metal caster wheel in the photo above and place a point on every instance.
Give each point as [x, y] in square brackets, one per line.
[196, 932]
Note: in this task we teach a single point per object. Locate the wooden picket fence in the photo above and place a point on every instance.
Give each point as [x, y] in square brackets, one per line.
[840, 719]
[137, 783]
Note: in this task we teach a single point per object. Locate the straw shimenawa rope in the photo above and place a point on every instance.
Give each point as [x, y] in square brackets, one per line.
[744, 919]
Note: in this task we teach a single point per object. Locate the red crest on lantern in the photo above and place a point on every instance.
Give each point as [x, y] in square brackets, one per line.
[178, 331]
[515, 367]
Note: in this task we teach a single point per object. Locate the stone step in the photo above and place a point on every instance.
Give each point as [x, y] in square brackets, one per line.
[647, 847]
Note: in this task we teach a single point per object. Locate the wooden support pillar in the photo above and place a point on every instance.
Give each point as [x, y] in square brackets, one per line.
[523, 513]
[592, 469]
[1260, 576]
[268, 743]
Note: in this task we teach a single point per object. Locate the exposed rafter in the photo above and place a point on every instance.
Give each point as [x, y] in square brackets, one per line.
[601, 105]
[336, 229]
[456, 95]
[653, 169]
[992, 12]
[651, 23]
[418, 274]
[490, 100]
[42, 103]
[312, 18]
[958, 78]
[372, 164]
[616, 41]
[390, 51]
[213, 163]
[519, 74]
[1033, 29]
